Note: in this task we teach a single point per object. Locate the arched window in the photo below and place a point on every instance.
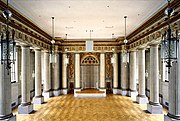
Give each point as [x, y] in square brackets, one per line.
[90, 60]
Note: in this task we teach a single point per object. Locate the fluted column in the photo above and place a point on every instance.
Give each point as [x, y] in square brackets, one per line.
[56, 82]
[141, 98]
[124, 75]
[47, 80]
[132, 70]
[64, 74]
[38, 99]
[77, 71]
[153, 106]
[26, 107]
[5, 94]
[17, 64]
[174, 91]
[102, 72]
[115, 74]
[18, 68]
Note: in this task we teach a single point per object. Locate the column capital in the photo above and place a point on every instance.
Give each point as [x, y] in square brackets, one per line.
[154, 44]
[102, 52]
[45, 51]
[133, 50]
[76, 52]
[37, 49]
[141, 48]
[25, 46]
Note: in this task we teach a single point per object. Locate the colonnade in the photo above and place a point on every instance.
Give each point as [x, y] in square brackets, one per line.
[128, 80]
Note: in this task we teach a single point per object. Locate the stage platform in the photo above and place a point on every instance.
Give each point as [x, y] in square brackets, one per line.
[90, 93]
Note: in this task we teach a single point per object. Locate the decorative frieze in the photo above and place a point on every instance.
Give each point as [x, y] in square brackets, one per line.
[155, 36]
[95, 48]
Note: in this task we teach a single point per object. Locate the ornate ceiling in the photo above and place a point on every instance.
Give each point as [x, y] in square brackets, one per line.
[77, 17]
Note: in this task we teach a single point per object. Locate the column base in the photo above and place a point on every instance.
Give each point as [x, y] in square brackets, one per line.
[104, 94]
[141, 100]
[115, 91]
[167, 118]
[38, 100]
[56, 92]
[11, 118]
[47, 94]
[64, 91]
[75, 90]
[133, 95]
[155, 109]
[27, 109]
[124, 92]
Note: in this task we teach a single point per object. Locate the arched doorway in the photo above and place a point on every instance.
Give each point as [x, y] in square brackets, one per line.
[89, 72]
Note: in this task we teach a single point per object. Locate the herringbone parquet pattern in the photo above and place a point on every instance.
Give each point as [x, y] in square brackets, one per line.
[68, 108]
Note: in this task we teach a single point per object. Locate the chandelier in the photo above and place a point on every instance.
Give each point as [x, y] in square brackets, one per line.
[125, 52]
[8, 45]
[52, 54]
[169, 43]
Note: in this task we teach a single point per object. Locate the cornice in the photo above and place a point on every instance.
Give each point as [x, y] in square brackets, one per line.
[157, 17]
[17, 26]
[154, 28]
[24, 20]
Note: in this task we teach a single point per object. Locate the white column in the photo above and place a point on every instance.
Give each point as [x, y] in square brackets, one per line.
[5, 94]
[115, 74]
[47, 80]
[17, 63]
[102, 72]
[77, 71]
[38, 99]
[124, 76]
[56, 84]
[153, 106]
[18, 69]
[132, 70]
[26, 107]
[141, 98]
[64, 74]
[77, 86]
[174, 91]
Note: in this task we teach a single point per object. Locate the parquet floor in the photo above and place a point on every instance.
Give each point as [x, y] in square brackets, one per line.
[68, 108]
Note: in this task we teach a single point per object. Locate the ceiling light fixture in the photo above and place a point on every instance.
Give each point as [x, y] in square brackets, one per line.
[169, 43]
[89, 43]
[125, 52]
[8, 45]
[52, 54]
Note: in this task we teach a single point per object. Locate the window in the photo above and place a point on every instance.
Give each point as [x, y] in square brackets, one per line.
[13, 73]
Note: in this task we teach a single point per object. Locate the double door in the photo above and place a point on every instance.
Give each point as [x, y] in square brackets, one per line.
[89, 76]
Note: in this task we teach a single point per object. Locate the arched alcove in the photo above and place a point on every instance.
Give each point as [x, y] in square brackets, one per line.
[89, 71]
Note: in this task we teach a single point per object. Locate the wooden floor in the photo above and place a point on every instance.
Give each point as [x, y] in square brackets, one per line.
[111, 108]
